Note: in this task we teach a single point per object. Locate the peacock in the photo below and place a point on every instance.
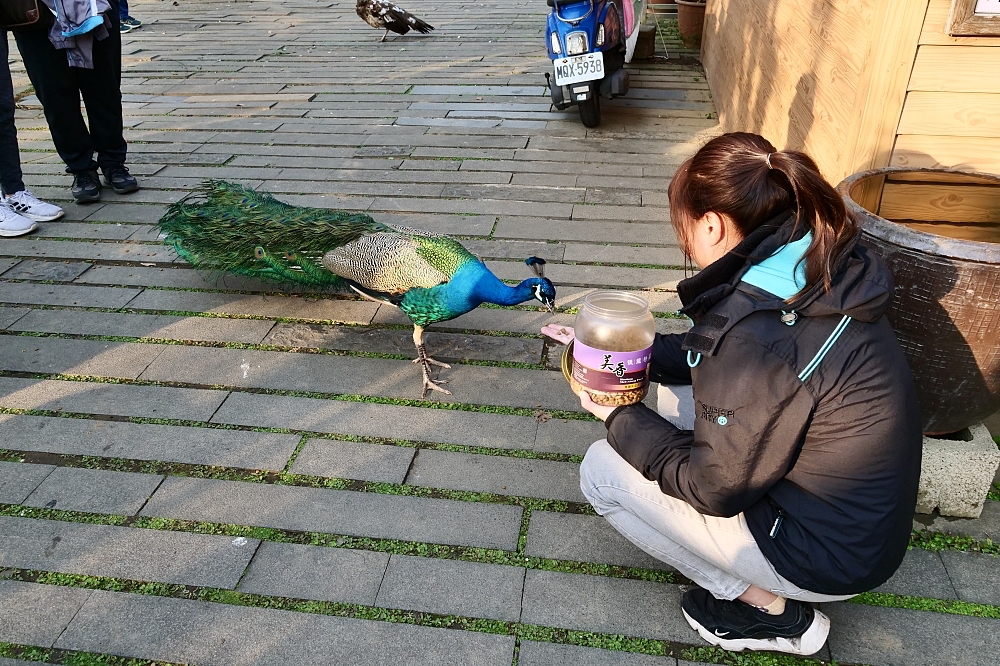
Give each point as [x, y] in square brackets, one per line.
[431, 278]
[386, 15]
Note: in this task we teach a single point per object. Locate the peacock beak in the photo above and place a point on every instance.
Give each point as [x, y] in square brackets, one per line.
[551, 306]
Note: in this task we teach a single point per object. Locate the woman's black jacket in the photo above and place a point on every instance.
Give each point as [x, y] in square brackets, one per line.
[813, 435]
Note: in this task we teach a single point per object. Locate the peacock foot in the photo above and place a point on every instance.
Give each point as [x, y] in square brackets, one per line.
[428, 359]
[429, 385]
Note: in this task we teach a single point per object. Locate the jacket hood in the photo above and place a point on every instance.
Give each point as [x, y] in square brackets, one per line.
[767, 261]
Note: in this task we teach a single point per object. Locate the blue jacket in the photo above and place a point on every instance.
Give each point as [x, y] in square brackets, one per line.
[77, 24]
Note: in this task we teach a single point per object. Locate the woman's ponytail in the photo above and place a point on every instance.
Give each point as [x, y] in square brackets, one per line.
[819, 208]
[743, 176]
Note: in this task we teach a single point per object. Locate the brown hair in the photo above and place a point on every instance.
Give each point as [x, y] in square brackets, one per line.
[743, 176]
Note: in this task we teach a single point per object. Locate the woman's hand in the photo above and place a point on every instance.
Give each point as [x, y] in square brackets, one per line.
[563, 334]
[600, 411]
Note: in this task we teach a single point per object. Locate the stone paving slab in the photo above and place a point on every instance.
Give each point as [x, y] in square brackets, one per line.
[571, 437]
[582, 538]
[181, 276]
[354, 460]
[10, 315]
[52, 249]
[533, 653]
[182, 631]
[501, 475]
[94, 491]
[18, 480]
[375, 420]
[315, 572]
[357, 376]
[338, 512]
[16, 662]
[921, 574]
[447, 346]
[529, 228]
[452, 587]
[124, 552]
[196, 446]
[110, 399]
[59, 271]
[601, 276]
[37, 614]
[5, 264]
[483, 319]
[608, 605]
[986, 526]
[338, 310]
[86, 230]
[50, 294]
[75, 357]
[975, 576]
[160, 327]
[900, 637]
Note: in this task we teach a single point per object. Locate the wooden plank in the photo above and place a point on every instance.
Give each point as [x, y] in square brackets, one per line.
[956, 69]
[801, 91]
[970, 154]
[933, 31]
[882, 91]
[946, 203]
[952, 114]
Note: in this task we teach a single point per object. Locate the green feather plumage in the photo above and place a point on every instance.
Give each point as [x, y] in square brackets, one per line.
[228, 227]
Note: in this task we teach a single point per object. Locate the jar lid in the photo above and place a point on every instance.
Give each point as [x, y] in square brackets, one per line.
[616, 304]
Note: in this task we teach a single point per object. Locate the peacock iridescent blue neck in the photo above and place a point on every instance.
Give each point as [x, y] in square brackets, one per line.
[470, 286]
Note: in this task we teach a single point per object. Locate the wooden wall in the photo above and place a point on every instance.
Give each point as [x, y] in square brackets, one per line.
[951, 116]
[825, 76]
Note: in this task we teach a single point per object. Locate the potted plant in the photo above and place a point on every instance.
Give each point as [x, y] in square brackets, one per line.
[690, 19]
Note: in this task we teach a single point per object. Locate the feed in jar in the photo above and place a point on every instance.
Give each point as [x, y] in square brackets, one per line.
[613, 347]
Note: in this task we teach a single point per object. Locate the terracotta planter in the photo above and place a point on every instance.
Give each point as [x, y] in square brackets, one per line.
[945, 309]
[690, 19]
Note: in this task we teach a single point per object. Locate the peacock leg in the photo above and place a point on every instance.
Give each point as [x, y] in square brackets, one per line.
[426, 362]
[384, 36]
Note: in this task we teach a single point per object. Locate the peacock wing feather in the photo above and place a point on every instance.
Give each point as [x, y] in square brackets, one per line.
[387, 263]
[227, 227]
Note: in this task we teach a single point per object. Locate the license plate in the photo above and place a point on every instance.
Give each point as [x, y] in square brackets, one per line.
[575, 69]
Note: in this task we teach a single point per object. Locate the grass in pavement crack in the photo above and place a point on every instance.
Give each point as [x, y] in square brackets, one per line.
[522, 632]
[951, 607]
[938, 541]
[72, 657]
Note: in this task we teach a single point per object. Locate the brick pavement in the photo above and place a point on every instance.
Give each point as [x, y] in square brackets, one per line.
[197, 469]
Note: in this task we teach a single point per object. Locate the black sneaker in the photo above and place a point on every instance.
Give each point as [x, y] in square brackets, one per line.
[86, 186]
[734, 625]
[120, 179]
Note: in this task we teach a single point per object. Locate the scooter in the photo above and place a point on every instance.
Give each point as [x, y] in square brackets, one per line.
[589, 42]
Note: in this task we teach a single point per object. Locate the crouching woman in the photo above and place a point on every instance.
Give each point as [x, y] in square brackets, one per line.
[794, 478]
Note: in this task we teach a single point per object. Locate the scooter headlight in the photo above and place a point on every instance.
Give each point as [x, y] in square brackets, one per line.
[554, 41]
[576, 43]
[600, 35]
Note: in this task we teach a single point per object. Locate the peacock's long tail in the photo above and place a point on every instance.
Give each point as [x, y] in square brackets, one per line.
[224, 226]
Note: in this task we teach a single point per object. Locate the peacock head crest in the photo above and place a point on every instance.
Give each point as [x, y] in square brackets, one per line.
[542, 288]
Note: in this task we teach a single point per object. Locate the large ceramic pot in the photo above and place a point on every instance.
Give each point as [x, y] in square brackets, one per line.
[690, 21]
[945, 309]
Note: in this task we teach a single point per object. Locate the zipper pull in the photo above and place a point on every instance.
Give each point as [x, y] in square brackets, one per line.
[777, 524]
[789, 318]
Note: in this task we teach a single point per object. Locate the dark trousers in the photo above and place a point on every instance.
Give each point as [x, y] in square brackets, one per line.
[123, 9]
[10, 159]
[59, 88]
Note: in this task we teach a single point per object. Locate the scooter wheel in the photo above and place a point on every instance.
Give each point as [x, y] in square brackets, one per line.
[590, 111]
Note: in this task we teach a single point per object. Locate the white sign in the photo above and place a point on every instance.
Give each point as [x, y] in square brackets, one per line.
[988, 6]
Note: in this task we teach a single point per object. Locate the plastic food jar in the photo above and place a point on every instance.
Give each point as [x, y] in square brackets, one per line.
[613, 347]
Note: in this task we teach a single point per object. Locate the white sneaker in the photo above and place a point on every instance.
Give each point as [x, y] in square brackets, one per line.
[28, 205]
[12, 224]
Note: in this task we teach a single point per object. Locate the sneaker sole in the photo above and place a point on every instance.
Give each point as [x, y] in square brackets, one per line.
[41, 218]
[123, 190]
[808, 643]
[14, 234]
[87, 198]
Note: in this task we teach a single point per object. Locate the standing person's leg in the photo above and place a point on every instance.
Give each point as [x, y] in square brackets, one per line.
[102, 95]
[27, 208]
[10, 158]
[56, 87]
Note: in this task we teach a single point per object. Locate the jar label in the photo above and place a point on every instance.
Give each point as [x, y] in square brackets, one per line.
[610, 371]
